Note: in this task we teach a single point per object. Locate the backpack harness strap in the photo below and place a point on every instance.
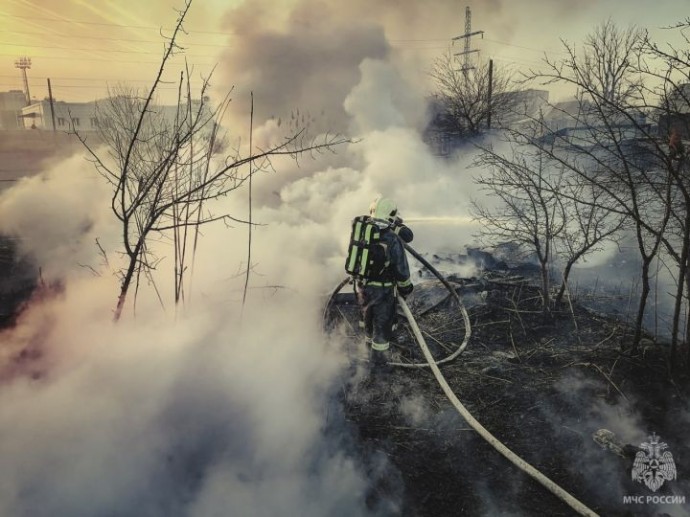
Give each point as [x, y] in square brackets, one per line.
[377, 284]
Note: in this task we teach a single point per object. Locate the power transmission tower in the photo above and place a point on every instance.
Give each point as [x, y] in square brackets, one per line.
[467, 36]
[23, 63]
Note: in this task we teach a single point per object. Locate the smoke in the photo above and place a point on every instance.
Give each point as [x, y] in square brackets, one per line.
[211, 408]
[57, 225]
[207, 409]
[607, 476]
[204, 414]
[150, 418]
[414, 410]
[305, 54]
[310, 67]
[301, 59]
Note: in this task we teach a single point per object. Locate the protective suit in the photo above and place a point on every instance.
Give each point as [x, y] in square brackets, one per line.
[376, 294]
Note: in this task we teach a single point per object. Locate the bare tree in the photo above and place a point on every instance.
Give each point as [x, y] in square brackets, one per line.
[589, 225]
[469, 98]
[529, 210]
[546, 209]
[668, 67]
[605, 139]
[622, 144]
[609, 57]
[162, 168]
[212, 143]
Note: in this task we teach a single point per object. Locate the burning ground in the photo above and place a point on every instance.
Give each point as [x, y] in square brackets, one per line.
[542, 385]
[198, 419]
[216, 408]
[213, 409]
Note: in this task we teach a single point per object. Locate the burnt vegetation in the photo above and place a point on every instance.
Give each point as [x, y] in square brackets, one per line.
[165, 168]
[541, 383]
[545, 369]
[17, 279]
[609, 166]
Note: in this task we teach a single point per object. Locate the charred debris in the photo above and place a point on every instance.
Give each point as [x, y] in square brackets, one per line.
[544, 383]
[18, 279]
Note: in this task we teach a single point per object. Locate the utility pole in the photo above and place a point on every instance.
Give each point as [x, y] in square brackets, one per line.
[468, 34]
[491, 88]
[23, 63]
[52, 104]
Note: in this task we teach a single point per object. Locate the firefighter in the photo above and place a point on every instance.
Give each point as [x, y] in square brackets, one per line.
[376, 293]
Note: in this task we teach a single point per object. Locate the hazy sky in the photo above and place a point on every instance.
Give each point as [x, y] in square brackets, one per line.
[84, 45]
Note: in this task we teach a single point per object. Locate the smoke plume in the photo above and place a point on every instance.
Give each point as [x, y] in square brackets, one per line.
[212, 408]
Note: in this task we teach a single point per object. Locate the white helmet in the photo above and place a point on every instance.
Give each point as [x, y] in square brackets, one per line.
[383, 208]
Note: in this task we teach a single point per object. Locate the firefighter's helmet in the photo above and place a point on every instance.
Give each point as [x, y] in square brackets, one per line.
[383, 208]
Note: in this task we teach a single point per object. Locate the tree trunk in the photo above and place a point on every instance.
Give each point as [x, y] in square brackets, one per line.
[643, 303]
[546, 299]
[127, 281]
[678, 304]
[564, 283]
[687, 321]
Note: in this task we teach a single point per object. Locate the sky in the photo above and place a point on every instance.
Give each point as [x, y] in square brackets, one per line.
[215, 409]
[84, 46]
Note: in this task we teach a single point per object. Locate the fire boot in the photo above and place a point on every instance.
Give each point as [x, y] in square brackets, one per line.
[379, 360]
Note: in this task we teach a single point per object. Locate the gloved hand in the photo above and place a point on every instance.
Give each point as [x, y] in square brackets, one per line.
[405, 291]
[401, 230]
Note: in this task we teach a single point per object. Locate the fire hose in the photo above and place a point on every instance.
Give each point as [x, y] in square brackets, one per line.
[547, 483]
[576, 505]
[451, 290]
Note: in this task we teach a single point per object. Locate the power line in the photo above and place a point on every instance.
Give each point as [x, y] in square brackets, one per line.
[524, 48]
[87, 87]
[105, 24]
[394, 42]
[8, 44]
[518, 60]
[420, 39]
[40, 79]
[128, 40]
[220, 33]
[132, 40]
[138, 52]
[109, 60]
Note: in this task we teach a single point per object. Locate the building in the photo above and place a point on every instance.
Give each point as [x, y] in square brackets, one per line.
[11, 104]
[580, 123]
[80, 116]
[519, 109]
[83, 116]
[509, 110]
[437, 135]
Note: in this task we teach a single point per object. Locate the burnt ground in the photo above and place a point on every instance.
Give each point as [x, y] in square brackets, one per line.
[541, 384]
[17, 280]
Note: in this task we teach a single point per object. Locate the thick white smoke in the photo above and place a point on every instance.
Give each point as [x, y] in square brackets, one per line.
[150, 417]
[58, 215]
[158, 415]
[212, 409]
[200, 411]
